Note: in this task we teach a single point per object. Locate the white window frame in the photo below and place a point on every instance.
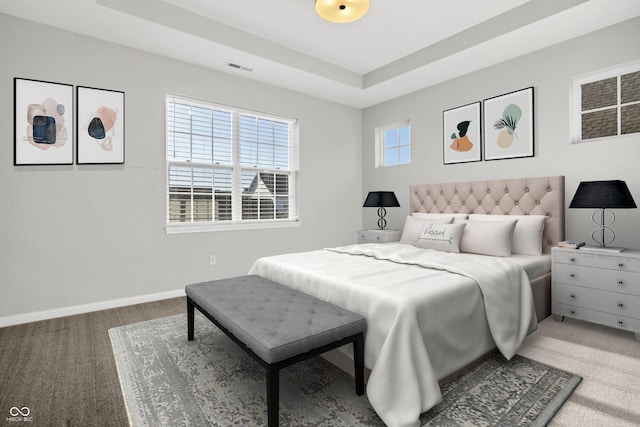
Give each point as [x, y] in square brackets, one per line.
[379, 143]
[576, 101]
[236, 223]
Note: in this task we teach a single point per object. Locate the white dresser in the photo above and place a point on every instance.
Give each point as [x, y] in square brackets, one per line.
[599, 287]
[379, 236]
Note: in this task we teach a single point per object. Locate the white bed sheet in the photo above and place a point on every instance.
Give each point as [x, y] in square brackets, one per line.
[422, 323]
[535, 266]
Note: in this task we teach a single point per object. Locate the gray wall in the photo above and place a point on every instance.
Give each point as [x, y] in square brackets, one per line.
[76, 235]
[550, 71]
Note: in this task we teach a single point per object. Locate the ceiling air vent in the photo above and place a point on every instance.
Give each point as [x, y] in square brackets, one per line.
[239, 67]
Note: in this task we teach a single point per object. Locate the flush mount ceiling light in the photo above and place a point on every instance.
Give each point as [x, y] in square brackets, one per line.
[341, 11]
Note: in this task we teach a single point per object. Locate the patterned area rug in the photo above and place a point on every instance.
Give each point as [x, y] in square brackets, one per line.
[168, 381]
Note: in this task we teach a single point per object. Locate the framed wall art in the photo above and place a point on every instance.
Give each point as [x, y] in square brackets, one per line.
[43, 122]
[508, 125]
[100, 120]
[461, 134]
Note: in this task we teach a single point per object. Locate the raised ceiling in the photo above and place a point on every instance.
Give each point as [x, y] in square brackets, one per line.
[397, 48]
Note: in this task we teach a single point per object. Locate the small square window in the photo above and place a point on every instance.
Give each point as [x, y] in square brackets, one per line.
[606, 104]
[393, 144]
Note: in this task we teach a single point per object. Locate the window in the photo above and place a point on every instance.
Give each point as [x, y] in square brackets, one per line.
[606, 104]
[393, 144]
[227, 166]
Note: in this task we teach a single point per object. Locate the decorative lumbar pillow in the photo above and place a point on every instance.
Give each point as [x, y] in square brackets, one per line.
[413, 227]
[441, 237]
[527, 236]
[488, 237]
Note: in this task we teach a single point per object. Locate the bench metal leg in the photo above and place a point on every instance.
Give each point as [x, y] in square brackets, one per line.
[190, 313]
[273, 395]
[358, 360]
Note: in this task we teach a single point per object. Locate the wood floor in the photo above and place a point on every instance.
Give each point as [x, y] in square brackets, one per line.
[63, 369]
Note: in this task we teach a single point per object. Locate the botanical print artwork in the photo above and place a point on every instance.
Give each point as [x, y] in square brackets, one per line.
[100, 126]
[461, 134]
[461, 141]
[43, 122]
[508, 125]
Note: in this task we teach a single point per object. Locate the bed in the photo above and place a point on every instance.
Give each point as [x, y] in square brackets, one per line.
[431, 311]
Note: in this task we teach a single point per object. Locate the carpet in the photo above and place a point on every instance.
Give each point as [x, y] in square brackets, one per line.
[169, 381]
[606, 358]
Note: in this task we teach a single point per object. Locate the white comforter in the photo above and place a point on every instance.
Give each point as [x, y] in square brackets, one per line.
[423, 322]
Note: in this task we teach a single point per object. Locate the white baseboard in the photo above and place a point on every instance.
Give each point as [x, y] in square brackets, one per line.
[86, 308]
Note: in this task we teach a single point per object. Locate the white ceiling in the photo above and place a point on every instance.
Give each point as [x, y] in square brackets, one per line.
[400, 46]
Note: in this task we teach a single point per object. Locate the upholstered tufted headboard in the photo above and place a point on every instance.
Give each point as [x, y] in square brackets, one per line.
[522, 196]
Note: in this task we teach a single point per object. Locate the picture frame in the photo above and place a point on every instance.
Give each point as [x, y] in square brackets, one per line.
[461, 134]
[100, 120]
[43, 122]
[509, 125]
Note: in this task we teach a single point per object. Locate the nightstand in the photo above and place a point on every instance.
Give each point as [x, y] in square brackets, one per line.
[379, 236]
[597, 287]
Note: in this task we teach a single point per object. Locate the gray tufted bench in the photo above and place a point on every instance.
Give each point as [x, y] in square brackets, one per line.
[276, 325]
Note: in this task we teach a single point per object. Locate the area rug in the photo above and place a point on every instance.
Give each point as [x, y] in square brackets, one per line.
[169, 381]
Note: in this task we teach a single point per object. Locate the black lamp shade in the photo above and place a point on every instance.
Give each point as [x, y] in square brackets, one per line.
[603, 195]
[381, 199]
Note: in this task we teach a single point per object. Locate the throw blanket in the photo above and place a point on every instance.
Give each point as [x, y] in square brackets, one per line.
[423, 322]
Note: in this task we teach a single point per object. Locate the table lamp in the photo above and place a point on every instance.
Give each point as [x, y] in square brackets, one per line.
[604, 196]
[381, 200]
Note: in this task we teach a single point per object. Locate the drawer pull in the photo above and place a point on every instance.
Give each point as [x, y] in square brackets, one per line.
[620, 305]
[620, 282]
[620, 322]
[572, 311]
[572, 260]
[572, 275]
[378, 238]
[621, 265]
[572, 295]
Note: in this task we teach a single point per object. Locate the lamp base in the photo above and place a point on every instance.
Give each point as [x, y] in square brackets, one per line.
[382, 223]
[603, 249]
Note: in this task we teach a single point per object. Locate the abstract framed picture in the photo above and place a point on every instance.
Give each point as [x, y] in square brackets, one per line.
[508, 125]
[461, 134]
[100, 119]
[43, 123]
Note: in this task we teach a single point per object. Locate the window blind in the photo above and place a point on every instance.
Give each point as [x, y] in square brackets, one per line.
[226, 164]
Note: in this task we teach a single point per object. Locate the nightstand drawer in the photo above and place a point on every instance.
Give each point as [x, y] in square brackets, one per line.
[607, 319]
[593, 299]
[582, 258]
[378, 236]
[599, 278]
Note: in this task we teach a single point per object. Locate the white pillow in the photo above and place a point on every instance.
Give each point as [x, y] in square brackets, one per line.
[527, 236]
[413, 227]
[441, 237]
[424, 215]
[488, 237]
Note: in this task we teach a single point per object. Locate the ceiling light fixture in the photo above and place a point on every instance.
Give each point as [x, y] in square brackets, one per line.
[341, 11]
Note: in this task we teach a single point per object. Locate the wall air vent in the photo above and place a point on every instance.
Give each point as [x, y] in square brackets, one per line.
[238, 66]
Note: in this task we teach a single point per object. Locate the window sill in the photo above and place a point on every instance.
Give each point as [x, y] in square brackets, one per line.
[612, 138]
[180, 228]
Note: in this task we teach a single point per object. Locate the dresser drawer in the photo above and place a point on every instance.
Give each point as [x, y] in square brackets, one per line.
[618, 262]
[599, 278]
[593, 299]
[606, 319]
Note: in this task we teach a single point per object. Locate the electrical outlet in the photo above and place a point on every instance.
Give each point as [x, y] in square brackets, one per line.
[212, 260]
